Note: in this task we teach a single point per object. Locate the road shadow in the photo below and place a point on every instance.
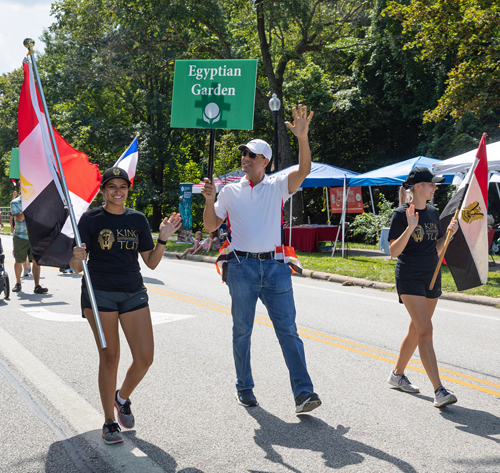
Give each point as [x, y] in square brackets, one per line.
[473, 421]
[26, 296]
[158, 282]
[315, 435]
[88, 453]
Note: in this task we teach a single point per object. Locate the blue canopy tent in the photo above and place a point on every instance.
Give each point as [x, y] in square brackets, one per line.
[395, 174]
[323, 175]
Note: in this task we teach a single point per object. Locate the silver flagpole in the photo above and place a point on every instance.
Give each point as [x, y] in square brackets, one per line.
[29, 44]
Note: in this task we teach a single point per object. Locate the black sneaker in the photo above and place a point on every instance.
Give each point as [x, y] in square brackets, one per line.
[246, 398]
[16, 288]
[125, 415]
[306, 402]
[40, 290]
[111, 432]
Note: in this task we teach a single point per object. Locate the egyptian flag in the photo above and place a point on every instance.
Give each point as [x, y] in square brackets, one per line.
[467, 254]
[128, 160]
[49, 227]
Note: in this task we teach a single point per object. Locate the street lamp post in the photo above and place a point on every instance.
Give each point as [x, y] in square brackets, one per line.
[274, 105]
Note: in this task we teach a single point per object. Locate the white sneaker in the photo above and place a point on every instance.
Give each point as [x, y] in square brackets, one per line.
[443, 397]
[402, 382]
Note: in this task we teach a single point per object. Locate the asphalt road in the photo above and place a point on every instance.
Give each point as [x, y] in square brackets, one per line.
[186, 417]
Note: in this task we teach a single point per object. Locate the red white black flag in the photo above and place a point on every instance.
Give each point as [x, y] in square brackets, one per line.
[49, 228]
[467, 254]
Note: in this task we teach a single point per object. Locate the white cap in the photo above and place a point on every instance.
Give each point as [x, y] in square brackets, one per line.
[258, 147]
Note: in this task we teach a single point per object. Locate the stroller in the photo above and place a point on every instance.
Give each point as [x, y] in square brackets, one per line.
[4, 277]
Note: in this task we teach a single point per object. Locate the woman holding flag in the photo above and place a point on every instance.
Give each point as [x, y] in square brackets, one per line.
[114, 236]
[416, 239]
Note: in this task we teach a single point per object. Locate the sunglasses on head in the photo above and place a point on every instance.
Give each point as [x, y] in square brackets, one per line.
[245, 152]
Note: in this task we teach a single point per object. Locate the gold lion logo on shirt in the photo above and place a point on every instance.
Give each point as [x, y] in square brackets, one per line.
[106, 239]
[472, 212]
[418, 233]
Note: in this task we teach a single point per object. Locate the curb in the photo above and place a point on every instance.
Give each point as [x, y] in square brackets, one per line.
[349, 281]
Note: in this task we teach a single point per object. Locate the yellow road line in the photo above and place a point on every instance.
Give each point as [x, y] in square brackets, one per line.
[343, 344]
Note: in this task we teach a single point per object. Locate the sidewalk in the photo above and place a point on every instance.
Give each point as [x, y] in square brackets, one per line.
[349, 281]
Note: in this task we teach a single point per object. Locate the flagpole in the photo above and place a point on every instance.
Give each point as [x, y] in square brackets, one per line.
[29, 44]
[448, 233]
[441, 256]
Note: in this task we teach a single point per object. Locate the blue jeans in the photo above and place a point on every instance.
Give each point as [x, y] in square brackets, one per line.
[249, 279]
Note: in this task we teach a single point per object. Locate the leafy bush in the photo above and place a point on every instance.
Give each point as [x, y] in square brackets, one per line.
[365, 225]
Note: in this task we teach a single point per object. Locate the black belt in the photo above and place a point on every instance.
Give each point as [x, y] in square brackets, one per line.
[260, 256]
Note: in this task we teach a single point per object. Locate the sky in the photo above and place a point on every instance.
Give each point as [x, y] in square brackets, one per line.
[20, 19]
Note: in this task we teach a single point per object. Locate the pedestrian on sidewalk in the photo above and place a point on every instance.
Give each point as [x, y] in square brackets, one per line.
[253, 208]
[416, 240]
[113, 236]
[22, 249]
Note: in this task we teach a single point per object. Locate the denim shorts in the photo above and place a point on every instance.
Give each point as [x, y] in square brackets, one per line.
[121, 302]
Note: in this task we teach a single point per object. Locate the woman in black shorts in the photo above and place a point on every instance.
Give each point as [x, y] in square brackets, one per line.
[416, 239]
[114, 236]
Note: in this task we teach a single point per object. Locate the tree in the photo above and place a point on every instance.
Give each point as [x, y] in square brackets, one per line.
[466, 32]
[10, 86]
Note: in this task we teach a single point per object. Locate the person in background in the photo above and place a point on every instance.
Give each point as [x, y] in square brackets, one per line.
[22, 248]
[196, 244]
[253, 207]
[416, 239]
[114, 236]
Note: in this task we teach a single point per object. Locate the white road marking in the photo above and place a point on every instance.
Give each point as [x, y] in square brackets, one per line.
[77, 412]
[161, 318]
[44, 314]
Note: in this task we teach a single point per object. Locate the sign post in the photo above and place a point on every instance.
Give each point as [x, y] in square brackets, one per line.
[214, 94]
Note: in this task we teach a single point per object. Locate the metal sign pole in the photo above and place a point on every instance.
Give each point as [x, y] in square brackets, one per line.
[29, 44]
[211, 155]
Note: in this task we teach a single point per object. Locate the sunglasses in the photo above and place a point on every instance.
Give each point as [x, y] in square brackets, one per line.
[248, 153]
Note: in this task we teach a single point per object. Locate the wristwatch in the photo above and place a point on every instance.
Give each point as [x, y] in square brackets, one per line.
[161, 242]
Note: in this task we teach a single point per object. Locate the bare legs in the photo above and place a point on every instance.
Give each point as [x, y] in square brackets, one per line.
[192, 250]
[138, 330]
[419, 334]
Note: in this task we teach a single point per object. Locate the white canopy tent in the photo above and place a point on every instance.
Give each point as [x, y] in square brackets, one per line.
[462, 163]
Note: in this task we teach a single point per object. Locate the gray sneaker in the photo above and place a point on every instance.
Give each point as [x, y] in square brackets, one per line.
[111, 432]
[443, 397]
[125, 415]
[402, 382]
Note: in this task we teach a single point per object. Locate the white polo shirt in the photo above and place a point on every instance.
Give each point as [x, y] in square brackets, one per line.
[254, 212]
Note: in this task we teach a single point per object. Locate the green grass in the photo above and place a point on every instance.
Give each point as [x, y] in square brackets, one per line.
[373, 269]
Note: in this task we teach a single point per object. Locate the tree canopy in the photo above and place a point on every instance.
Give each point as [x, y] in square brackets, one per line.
[466, 32]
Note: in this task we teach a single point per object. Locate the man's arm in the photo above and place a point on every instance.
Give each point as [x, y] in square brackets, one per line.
[19, 217]
[300, 129]
[210, 219]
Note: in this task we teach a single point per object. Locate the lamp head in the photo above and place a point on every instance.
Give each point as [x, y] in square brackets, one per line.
[274, 103]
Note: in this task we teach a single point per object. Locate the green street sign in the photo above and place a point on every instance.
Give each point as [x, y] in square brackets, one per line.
[14, 164]
[214, 94]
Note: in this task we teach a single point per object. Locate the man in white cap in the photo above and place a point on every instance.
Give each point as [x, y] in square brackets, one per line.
[253, 209]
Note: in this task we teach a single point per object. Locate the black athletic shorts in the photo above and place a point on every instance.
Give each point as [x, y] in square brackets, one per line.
[121, 302]
[419, 286]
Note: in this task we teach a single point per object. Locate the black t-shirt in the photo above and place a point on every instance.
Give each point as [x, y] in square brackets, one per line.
[420, 254]
[114, 243]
